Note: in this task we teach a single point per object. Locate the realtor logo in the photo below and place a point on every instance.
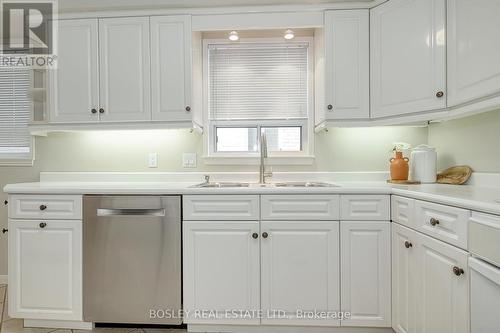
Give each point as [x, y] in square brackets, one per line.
[28, 28]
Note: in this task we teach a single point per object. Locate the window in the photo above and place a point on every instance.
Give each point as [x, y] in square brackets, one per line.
[254, 87]
[15, 110]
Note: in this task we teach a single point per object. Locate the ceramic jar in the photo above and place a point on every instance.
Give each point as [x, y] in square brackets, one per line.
[423, 164]
[399, 167]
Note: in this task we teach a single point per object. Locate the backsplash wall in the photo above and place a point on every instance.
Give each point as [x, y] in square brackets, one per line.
[473, 141]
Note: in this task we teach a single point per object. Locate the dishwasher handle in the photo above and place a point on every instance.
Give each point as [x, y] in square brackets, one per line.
[130, 212]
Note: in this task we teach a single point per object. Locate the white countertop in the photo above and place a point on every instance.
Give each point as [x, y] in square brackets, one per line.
[485, 199]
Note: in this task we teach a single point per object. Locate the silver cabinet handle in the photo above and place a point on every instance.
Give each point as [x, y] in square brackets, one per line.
[130, 212]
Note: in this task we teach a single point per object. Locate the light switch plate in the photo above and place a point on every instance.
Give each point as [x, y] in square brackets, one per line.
[189, 160]
[153, 160]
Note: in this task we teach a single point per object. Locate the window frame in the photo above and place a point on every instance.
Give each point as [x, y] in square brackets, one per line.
[305, 156]
[20, 159]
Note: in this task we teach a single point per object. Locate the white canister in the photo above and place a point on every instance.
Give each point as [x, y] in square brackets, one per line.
[423, 164]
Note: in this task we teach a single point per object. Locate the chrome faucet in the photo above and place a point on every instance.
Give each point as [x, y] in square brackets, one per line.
[263, 155]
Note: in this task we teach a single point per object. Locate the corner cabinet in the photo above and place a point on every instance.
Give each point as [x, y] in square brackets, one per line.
[430, 280]
[473, 50]
[346, 47]
[408, 57]
[45, 269]
[442, 287]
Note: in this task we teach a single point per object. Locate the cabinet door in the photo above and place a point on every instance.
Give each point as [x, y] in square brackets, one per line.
[75, 83]
[404, 247]
[221, 271]
[347, 64]
[301, 277]
[366, 273]
[408, 65]
[442, 298]
[171, 68]
[45, 269]
[124, 69]
[473, 50]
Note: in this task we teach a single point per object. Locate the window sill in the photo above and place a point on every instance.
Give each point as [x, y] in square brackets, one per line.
[252, 160]
[15, 163]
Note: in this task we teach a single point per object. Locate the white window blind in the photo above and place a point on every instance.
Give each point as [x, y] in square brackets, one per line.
[15, 106]
[255, 81]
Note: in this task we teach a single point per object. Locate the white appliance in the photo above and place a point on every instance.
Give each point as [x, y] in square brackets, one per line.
[484, 244]
[423, 164]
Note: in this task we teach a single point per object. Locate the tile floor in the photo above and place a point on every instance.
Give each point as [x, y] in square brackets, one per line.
[11, 325]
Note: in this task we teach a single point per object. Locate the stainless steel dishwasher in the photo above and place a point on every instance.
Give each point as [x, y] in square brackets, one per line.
[132, 259]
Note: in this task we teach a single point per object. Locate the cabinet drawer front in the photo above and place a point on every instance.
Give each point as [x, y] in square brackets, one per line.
[484, 232]
[221, 207]
[402, 210]
[45, 207]
[365, 207]
[446, 223]
[300, 207]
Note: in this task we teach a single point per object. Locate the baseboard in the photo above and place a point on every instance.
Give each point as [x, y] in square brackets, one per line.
[284, 329]
[3, 279]
[76, 325]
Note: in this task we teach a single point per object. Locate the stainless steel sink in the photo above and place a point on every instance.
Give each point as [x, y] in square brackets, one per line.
[221, 185]
[281, 184]
[305, 184]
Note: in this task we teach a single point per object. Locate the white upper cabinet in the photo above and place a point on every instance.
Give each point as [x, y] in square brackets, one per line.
[408, 57]
[75, 82]
[171, 68]
[124, 51]
[304, 276]
[346, 60]
[473, 50]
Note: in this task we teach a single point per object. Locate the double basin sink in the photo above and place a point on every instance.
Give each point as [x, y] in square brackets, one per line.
[280, 184]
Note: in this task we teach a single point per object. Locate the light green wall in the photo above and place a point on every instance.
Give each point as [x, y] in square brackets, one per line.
[356, 149]
[473, 141]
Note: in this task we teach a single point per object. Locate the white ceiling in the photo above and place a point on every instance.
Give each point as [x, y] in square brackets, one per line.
[93, 5]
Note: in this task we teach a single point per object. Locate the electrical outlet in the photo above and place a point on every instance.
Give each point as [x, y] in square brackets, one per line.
[189, 160]
[153, 160]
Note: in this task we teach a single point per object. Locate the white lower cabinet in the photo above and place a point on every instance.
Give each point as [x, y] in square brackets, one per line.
[221, 271]
[442, 287]
[430, 284]
[404, 269]
[300, 271]
[366, 273]
[45, 269]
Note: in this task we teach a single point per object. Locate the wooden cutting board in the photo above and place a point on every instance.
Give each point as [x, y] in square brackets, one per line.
[403, 182]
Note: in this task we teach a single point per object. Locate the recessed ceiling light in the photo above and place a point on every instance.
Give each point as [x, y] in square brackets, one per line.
[289, 34]
[233, 36]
